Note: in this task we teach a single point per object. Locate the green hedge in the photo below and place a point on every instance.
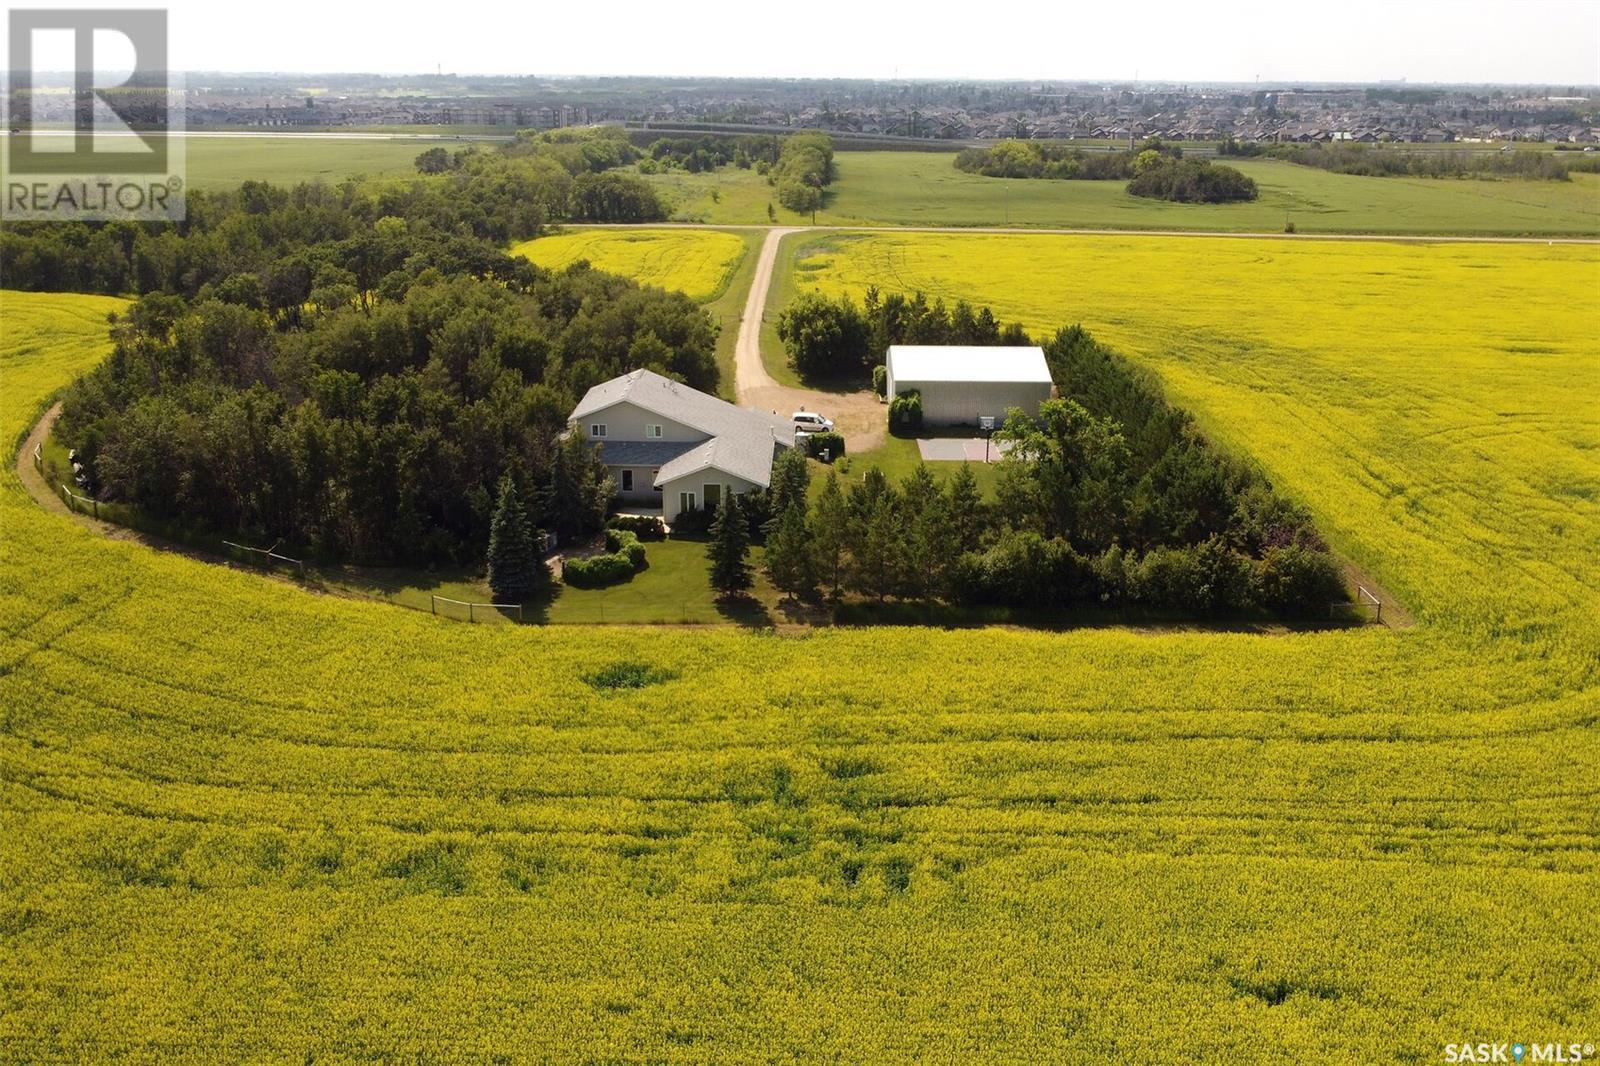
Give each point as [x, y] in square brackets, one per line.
[645, 527]
[905, 411]
[626, 557]
[832, 443]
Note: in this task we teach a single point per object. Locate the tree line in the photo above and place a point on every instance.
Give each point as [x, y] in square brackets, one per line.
[803, 168]
[458, 218]
[831, 339]
[1042, 159]
[707, 152]
[1387, 162]
[1155, 170]
[373, 427]
[1110, 497]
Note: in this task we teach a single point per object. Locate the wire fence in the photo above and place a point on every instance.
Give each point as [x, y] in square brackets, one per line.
[268, 556]
[74, 502]
[1364, 601]
[472, 608]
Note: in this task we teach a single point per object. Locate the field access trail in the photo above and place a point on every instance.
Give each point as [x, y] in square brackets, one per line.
[858, 415]
[1085, 231]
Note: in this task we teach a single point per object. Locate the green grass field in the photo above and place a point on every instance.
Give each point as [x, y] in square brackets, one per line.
[225, 162]
[241, 821]
[924, 189]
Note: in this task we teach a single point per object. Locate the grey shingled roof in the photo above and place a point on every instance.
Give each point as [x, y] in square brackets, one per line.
[742, 442]
[642, 452]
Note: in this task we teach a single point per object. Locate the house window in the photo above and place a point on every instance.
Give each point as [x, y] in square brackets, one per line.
[686, 502]
[652, 431]
[654, 476]
[597, 429]
[627, 481]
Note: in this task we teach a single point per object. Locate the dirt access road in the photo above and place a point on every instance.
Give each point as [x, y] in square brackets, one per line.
[857, 415]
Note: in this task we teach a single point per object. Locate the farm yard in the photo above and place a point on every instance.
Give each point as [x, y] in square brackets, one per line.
[1448, 452]
[1351, 844]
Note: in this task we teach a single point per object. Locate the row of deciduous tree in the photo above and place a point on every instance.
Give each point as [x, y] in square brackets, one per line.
[804, 167]
[374, 429]
[1383, 161]
[833, 339]
[458, 218]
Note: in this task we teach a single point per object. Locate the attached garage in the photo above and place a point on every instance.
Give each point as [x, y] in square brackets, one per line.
[961, 383]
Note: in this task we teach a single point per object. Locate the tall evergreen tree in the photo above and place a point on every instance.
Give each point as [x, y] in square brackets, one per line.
[966, 509]
[791, 477]
[927, 543]
[788, 558]
[729, 549]
[516, 573]
[876, 544]
[829, 531]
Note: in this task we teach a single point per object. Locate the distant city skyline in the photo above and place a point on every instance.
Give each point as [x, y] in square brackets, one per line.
[1529, 42]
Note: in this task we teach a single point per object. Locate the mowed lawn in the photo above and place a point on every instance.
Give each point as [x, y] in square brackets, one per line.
[925, 189]
[241, 821]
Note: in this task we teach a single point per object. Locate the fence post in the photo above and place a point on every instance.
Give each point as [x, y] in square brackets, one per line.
[433, 603]
[97, 509]
[472, 615]
[1380, 610]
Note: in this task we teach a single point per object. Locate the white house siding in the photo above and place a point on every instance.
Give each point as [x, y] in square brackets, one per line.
[696, 482]
[624, 421]
[955, 403]
[643, 491]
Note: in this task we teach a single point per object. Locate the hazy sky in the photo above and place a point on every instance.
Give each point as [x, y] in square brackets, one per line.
[1542, 41]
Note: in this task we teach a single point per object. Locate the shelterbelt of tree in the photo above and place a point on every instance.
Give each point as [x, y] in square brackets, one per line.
[240, 821]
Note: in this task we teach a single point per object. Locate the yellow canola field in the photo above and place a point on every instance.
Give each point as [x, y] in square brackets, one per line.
[243, 822]
[696, 262]
[1436, 404]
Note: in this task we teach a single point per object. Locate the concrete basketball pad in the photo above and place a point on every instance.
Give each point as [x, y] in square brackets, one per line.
[959, 449]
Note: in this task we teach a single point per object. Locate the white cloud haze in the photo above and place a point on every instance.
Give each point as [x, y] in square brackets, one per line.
[1553, 42]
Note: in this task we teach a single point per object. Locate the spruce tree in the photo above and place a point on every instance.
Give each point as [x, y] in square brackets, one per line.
[927, 543]
[877, 548]
[829, 529]
[791, 476]
[516, 572]
[966, 509]
[788, 559]
[729, 548]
